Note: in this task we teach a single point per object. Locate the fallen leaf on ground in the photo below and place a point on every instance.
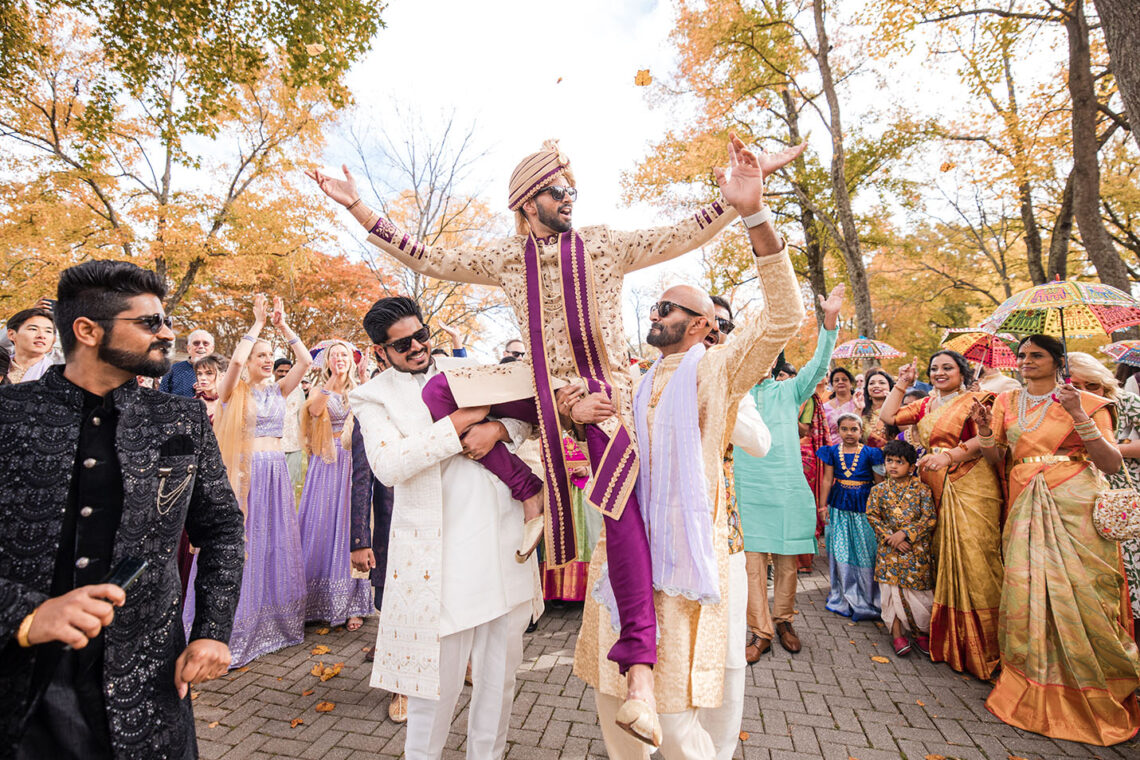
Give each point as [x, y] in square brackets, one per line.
[280, 678]
[935, 757]
[295, 722]
[1015, 757]
[881, 659]
[852, 641]
[242, 669]
[322, 631]
[212, 724]
[329, 672]
[317, 669]
[920, 703]
[320, 649]
[643, 79]
[325, 706]
[194, 695]
[743, 736]
[307, 693]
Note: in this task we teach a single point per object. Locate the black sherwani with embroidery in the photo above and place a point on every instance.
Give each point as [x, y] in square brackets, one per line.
[161, 442]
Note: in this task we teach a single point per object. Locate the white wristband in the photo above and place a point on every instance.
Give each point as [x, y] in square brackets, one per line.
[760, 217]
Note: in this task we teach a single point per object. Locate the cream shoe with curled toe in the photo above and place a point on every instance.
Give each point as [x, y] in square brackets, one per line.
[638, 717]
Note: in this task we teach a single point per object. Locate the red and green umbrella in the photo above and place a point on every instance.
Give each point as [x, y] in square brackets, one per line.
[1065, 307]
[980, 346]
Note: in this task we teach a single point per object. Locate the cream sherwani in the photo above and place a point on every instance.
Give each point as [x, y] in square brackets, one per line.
[452, 583]
[500, 262]
[692, 651]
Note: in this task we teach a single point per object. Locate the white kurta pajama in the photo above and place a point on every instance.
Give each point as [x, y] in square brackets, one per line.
[453, 588]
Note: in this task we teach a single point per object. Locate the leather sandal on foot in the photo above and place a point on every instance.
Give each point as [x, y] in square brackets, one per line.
[398, 708]
[640, 720]
[532, 534]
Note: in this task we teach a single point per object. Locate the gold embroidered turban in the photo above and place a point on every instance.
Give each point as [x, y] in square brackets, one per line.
[535, 172]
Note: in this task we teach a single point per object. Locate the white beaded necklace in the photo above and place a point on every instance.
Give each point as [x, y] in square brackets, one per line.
[1023, 401]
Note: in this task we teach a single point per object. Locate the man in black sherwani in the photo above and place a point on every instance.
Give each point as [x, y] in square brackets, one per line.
[95, 471]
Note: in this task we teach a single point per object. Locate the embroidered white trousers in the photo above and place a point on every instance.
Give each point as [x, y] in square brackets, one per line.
[697, 733]
[495, 651]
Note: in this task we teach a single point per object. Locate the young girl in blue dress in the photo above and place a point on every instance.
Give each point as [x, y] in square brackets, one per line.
[847, 479]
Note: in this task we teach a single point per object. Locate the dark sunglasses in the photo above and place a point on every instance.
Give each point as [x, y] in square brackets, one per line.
[725, 325]
[404, 345]
[665, 308]
[559, 193]
[152, 322]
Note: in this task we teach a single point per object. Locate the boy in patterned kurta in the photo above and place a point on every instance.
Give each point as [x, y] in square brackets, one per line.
[901, 512]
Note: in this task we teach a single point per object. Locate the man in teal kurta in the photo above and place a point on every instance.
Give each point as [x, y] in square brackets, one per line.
[777, 508]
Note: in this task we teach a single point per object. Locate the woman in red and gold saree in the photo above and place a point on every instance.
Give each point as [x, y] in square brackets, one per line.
[967, 495]
[1069, 666]
[813, 436]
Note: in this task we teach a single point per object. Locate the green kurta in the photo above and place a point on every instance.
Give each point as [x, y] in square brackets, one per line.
[777, 508]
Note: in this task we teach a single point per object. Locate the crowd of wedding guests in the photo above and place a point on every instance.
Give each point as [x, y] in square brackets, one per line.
[940, 503]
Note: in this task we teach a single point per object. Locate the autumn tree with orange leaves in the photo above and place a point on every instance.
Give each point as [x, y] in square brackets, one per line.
[176, 152]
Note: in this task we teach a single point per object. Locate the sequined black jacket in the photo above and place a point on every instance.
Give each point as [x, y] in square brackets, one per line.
[39, 428]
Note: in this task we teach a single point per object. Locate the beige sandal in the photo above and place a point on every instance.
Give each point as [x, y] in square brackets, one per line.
[640, 720]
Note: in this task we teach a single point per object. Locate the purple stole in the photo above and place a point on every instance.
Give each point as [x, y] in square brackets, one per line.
[615, 476]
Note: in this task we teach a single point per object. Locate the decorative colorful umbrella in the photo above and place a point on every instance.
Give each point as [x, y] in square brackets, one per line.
[320, 352]
[1065, 307]
[1124, 352]
[865, 348]
[980, 346]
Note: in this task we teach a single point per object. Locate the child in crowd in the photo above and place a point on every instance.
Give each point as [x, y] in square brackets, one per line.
[901, 512]
[848, 475]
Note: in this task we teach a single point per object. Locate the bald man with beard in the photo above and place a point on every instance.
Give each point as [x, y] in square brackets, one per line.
[685, 409]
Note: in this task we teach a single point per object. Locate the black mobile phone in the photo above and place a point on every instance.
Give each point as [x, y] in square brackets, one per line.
[129, 570]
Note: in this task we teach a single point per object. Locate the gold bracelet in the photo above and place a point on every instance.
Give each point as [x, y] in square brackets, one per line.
[987, 441]
[352, 205]
[25, 626]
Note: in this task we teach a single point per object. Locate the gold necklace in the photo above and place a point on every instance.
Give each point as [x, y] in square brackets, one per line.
[849, 472]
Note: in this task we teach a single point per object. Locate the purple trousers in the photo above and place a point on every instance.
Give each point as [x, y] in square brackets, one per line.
[627, 547]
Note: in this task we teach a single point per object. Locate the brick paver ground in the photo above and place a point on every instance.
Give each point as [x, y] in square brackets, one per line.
[830, 701]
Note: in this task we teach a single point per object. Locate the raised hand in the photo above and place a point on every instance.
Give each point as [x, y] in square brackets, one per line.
[834, 301]
[982, 417]
[743, 185]
[907, 375]
[260, 309]
[343, 191]
[277, 318]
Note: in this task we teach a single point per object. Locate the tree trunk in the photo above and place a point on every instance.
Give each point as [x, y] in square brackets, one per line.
[1062, 232]
[1086, 172]
[813, 249]
[852, 252]
[1121, 22]
[1032, 233]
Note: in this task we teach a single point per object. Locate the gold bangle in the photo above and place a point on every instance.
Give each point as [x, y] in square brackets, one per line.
[352, 205]
[25, 626]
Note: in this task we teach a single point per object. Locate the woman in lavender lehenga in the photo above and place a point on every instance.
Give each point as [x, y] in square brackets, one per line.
[271, 608]
[332, 594]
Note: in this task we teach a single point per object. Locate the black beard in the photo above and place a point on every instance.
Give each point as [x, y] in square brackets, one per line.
[553, 220]
[137, 364]
[663, 337]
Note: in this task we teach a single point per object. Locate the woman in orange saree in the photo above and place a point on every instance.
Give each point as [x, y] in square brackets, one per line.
[1069, 666]
[967, 587]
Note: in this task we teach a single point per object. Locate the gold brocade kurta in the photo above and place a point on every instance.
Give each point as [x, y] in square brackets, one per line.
[612, 253]
[692, 637]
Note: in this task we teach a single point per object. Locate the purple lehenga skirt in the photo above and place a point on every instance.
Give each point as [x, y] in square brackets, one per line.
[271, 608]
[331, 593]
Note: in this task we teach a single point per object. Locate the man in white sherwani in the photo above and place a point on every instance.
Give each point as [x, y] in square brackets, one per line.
[453, 590]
